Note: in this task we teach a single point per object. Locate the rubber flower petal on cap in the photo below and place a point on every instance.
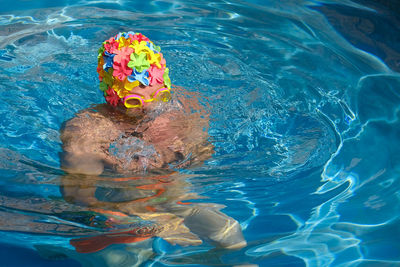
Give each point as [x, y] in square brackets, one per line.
[119, 88]
[156, 75]
[130, 85]
[140, 47]
[108, 60]
[123, 42]
[167, 80]
[100, 51]
[129, 34]
[154, 59]
[142, 77]
[162, 60]
[108, 77]
[140, 37]
[154, 48]
[139, 62]
[120, 65]
[118, 35]
[103, 87]
[112, 98]
[100, 65]
[111, 46]
[101, 74]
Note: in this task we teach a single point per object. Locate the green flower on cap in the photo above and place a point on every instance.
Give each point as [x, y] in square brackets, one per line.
[167, 80]
[139, 62]
[103, 86]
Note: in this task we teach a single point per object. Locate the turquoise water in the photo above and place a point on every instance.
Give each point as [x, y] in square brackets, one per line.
[304, 99]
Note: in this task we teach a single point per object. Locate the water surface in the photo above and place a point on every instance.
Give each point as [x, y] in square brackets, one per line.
[304, 104]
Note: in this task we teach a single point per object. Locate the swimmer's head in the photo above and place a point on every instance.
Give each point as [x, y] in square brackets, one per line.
[130, 61]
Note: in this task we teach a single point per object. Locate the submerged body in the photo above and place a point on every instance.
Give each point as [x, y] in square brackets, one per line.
[171, 135]
[168, 136]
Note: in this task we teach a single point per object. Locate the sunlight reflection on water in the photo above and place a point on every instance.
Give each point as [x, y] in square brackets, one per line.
[305, 125]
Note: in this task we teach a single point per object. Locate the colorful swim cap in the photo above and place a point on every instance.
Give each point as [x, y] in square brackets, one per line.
[126, 61]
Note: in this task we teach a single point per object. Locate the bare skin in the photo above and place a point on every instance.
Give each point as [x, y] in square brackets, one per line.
[171, 135]
[176, 135]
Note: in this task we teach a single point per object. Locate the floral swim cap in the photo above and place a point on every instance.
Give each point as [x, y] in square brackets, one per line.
[126, 61]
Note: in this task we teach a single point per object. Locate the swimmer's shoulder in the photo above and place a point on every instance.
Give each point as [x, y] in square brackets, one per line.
[95, 122]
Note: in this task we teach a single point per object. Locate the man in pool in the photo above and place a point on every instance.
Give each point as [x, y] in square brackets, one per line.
[144, 129]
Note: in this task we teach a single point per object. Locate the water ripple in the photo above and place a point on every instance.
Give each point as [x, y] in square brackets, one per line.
[305, 127]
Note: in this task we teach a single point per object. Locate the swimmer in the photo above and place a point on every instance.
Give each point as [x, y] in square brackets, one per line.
[150, 128]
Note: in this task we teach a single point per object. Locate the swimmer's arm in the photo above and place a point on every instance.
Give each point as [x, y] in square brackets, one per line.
[82, 138]
[82, 163]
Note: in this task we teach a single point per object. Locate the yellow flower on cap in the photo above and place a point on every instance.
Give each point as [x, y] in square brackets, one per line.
[123, 42]
[154, 58]
[130, 85]
[140, 47]
[119, 88]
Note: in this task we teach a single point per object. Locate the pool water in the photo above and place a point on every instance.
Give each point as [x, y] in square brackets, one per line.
[304, 103]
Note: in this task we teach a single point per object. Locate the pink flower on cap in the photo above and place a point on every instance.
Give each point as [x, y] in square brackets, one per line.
[120, 65]
[162, 61]
[140, 37]
[156, 75]
[111, 46]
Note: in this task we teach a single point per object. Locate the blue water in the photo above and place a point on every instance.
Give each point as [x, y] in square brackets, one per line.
[304, 99]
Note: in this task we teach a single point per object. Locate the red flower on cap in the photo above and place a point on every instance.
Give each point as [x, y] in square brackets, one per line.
[156, 75]
[120, 65]
[112, 98]
[140, 37]
[111, 46]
